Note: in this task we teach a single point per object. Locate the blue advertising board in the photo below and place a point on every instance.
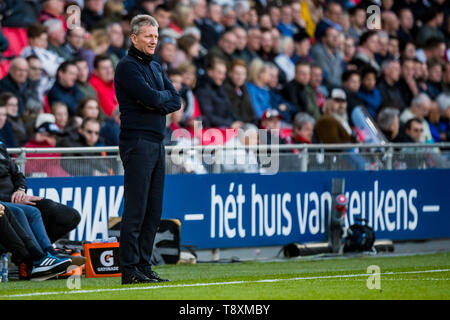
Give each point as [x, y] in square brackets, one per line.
[242, 210]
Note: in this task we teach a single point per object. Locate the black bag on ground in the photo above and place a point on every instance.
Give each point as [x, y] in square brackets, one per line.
[359, 238]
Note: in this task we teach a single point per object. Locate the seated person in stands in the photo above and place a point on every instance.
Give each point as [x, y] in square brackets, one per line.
[11, 103]
[303, 129]
[214, 103]
[65, 89]
[238, 92]
[271, 121]
[45, 134]
[88, 136]
[257, 86]
[14, 239]
[368, 92]
[16, 81]
[58, 219]
[389, 123]
[333, 125]
[6, 130]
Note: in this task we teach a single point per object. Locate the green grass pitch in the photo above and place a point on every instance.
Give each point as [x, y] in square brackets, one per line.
[424, 276]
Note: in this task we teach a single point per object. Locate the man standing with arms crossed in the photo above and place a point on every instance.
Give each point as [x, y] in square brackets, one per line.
[145, 97]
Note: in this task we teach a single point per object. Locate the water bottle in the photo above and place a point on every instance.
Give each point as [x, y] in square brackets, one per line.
[5, 268]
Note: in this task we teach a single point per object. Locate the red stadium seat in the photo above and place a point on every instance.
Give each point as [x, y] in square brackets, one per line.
[18, 39]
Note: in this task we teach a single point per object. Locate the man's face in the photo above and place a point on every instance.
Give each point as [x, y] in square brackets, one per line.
[215, 13]
[40, 42]
[331, 38]
[94, 5]
[266, 41]
[55, 6]
[105, 70]
[306, 131]
[286, 14]
[316, 77]
[68, 78]
[77, 37]
[177, 81]
[228, 42]
[415, 132]
[340, 106]
[238, 75]
[116, 35]
[167, 52]
[359, 19]
[163, 18]
[91, 132]
[241, 38]
[369, 81]
[303, 74]
[19, 71]
[273, 123]
[218, 73]
[35, 66]
[406, 19]
[83, 71]
[334, 12]
[12, 106]
[146, 40]
[393, 71]
[353, 83]
[254, 40]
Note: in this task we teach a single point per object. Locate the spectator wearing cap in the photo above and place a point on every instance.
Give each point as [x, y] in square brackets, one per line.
[299, 93]
[102, 80]
[329, 58]
[420, 109]
[213, 100]
[368, 92]
[45, 134]
[389, 87]
[333, 126]
[238, 93]
[271, 121]
[65, 88]
[302, 45]
[16, 81]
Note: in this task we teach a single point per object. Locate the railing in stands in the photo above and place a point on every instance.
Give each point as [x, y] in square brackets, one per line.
[245, 159]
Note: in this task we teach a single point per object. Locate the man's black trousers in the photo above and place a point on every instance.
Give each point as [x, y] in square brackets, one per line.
[144, 168]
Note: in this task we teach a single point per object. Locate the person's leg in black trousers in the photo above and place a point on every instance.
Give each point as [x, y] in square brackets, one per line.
[143, 190]
[58, 218]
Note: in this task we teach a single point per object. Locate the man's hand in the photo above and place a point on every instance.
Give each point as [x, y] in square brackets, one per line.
[22, 198]
[2, 210]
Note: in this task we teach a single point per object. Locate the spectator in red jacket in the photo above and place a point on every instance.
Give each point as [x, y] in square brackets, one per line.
[102, 79]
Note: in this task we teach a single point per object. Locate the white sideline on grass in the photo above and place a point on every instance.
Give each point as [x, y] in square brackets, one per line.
[205, 284]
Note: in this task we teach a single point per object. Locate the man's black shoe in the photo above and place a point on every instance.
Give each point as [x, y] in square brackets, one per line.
[149, 273]
[136, 277]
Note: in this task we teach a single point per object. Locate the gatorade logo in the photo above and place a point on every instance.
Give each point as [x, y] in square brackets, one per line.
[106, 258]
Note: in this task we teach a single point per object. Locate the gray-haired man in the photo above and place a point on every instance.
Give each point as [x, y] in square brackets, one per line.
[145, 97]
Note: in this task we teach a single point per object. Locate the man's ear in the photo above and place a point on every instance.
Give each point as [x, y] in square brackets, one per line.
[133, 38]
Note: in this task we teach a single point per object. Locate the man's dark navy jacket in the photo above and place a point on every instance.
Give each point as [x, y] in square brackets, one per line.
[145, 97]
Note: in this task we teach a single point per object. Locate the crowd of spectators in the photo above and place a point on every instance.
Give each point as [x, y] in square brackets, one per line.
[234, 63]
